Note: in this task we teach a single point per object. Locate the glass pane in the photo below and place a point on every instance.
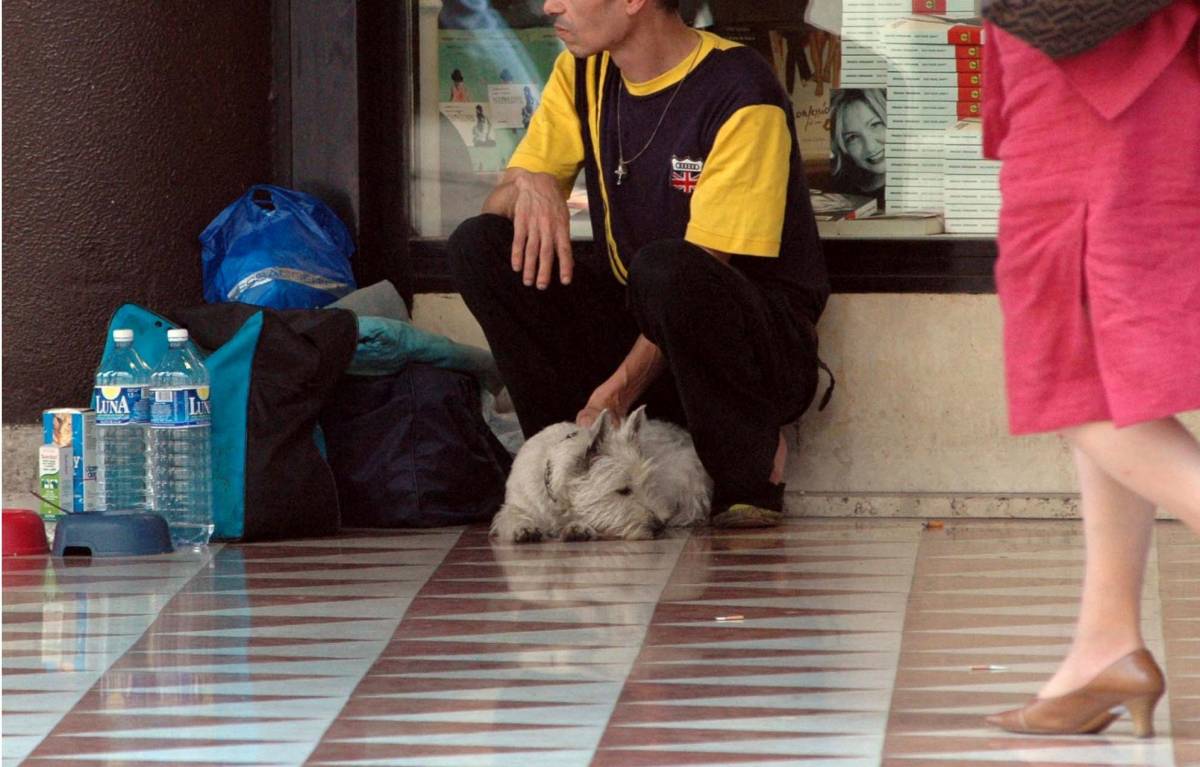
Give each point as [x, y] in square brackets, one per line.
[878, 100]
[480, 71]
[479, 79]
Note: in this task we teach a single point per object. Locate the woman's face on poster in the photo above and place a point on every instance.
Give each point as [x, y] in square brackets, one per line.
[864, 134]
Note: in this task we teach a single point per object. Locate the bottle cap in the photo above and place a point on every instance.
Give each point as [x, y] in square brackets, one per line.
[175, 335]
[122, 335]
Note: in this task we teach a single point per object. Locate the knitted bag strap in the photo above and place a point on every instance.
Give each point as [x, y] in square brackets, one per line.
[1061, 28]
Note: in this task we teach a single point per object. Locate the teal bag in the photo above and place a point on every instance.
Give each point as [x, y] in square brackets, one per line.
[270, 480]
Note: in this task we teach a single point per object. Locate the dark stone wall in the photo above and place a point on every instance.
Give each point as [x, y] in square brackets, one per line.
[127, 126]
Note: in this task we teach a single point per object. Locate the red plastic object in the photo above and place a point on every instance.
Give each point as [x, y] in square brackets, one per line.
[23, 533]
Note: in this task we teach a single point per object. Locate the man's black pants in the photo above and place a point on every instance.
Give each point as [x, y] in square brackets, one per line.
[741, 362]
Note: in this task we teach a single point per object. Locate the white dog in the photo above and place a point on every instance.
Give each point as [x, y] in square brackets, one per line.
[614, 482]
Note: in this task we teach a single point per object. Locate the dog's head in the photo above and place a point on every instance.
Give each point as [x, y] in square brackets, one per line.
[614, 493]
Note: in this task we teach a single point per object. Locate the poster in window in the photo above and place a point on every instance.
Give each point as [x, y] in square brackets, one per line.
[858, 141]
[487, 80]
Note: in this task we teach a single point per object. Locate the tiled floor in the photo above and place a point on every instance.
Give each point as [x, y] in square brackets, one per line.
[827, 642]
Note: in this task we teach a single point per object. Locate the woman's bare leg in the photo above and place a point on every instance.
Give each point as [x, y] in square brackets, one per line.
[1158, 460]
[1117, 525]
[1123, 474]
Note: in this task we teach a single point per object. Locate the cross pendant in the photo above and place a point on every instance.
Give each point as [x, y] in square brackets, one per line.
[621, 173]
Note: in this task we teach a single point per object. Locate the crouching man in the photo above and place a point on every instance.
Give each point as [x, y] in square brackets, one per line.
[702, 294]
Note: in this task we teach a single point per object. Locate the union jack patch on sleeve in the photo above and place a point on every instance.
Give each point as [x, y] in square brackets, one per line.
[685, 173]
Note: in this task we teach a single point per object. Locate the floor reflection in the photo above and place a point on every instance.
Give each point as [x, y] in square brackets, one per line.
[855, 642]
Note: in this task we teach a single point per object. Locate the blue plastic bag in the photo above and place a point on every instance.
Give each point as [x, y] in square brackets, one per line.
[277, 247]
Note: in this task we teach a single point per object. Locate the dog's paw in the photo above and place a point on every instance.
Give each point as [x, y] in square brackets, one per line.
[511, 525]
[527, 535]
[578, 532]
[642, 533]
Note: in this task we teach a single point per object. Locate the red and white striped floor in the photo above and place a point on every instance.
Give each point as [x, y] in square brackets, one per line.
[825, 642]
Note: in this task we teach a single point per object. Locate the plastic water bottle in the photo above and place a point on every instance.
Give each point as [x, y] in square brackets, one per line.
[122, 418]
[181, 443]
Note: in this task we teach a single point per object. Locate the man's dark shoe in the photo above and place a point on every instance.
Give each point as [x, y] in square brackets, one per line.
[744, 515]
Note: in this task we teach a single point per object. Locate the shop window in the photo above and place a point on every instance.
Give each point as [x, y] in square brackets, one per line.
[886, 117]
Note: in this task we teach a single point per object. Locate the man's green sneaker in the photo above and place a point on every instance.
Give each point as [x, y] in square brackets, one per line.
[743, 515]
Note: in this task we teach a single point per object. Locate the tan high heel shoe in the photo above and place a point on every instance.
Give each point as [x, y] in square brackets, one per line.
[1134, 681]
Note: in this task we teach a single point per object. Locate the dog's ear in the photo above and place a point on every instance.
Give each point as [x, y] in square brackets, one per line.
[633, 424]
[598, 432]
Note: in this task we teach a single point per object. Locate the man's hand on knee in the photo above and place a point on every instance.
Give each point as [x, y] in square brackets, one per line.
[541, 225]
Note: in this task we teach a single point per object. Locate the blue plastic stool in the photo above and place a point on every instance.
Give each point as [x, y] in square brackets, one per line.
[111, 534]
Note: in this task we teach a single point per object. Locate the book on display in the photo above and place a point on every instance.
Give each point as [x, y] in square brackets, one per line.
[918, 137]
[921, 66]
[932, 30]
[964, 143]
[905, 202]
[929, 122]
[833, 206]
[907, 93]
[922, 51]
[913, 224]
[942, 7]
[928, 54]
[971, 184]
[900, 167]
[981, 226]
[864, 63]
[928, 151]
[950, 110]
[935, 79]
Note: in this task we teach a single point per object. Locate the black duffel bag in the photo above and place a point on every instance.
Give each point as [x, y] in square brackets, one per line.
[411, 449]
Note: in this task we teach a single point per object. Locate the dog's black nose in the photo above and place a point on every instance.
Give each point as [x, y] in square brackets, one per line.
[658, 526]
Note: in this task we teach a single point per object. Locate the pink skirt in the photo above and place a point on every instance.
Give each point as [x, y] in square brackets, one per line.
[1099, 240]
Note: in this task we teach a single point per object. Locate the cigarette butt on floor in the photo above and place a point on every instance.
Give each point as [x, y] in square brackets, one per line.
[725, 618]
[934, 524]
[989, 667]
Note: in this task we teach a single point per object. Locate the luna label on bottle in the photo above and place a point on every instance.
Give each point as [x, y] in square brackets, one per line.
[118, 405]
[181, 407]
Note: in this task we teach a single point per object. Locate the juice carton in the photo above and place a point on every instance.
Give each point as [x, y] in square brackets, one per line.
[74, 429]
[54, 480]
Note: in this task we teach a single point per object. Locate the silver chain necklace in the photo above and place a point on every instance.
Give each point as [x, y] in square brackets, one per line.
[622, 164]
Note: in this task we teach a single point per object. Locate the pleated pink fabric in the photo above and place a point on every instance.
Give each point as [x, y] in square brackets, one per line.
[1099, 239]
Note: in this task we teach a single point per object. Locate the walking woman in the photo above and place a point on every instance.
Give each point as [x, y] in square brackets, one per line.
[1099, 283]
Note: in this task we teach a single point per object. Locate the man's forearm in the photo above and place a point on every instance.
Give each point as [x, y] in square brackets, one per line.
[640, 368]
[502, 199]
[643, 365]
